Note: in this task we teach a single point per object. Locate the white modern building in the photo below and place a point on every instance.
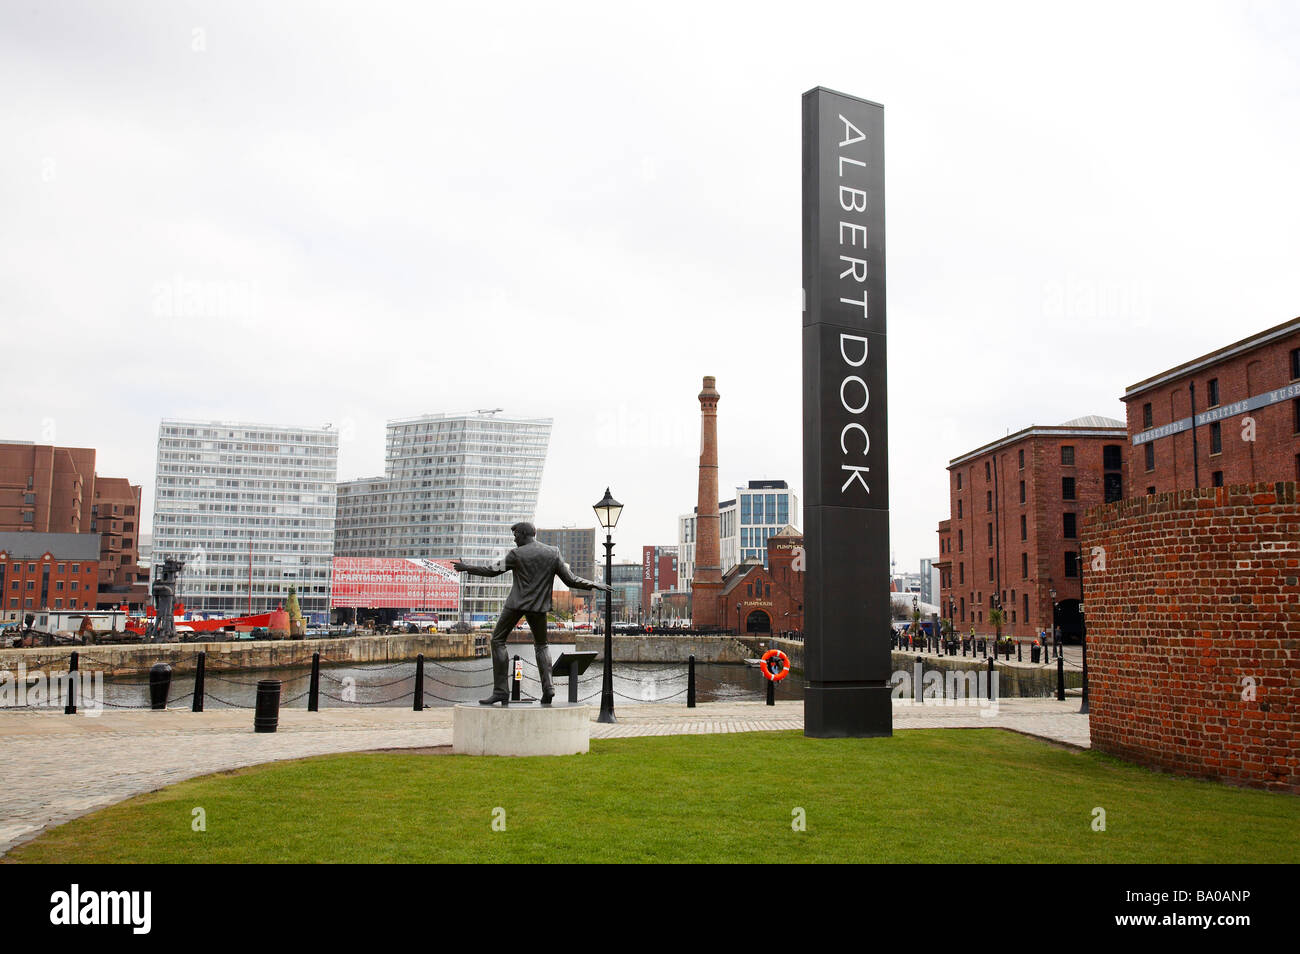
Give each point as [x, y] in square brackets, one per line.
[452, 486]
[929, 581]
[759, 511]
[250, 508]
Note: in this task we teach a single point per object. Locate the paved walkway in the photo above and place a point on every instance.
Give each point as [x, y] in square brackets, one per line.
[1073, 658]
[57, 767]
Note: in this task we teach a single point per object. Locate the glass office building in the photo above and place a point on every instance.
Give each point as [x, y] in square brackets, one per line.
[758, 512]
[764, 508]
[452, 486]
[250, 508]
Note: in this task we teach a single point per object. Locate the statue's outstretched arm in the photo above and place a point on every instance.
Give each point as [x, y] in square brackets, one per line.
[496, 568]
[574, 582]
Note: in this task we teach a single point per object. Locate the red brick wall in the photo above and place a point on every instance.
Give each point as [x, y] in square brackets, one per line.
[117, 520]
[62, 480]
[777, 592]
[1200, 590]
[20, 585]
[787, 582]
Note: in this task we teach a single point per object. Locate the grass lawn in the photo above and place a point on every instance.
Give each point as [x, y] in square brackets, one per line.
[980, 795]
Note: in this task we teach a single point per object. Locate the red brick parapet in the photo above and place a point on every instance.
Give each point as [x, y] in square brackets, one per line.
[1192, 603]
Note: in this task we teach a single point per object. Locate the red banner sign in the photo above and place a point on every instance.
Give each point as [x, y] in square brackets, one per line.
[395, 584]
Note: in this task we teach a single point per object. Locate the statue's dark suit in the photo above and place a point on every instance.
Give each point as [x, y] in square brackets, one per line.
[535, 566]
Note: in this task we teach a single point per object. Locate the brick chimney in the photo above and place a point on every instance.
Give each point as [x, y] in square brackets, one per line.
[707, 582]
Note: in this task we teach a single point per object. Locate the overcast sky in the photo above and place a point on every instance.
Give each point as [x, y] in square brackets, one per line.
[577, 211]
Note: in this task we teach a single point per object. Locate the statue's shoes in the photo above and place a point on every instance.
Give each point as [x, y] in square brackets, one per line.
[547, 697]
[501, 697]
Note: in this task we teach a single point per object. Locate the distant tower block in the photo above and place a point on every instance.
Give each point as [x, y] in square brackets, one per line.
[707, 582]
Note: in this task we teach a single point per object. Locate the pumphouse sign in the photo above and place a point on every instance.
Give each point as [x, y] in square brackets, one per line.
[845, 425]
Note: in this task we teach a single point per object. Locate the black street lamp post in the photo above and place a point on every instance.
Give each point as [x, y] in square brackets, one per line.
[1083, 637]
[607, 512]
[1051, 626]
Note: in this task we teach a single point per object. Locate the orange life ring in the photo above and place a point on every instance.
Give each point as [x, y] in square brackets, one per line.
[784, 663]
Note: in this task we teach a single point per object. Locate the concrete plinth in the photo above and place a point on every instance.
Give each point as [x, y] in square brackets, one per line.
[521, 730]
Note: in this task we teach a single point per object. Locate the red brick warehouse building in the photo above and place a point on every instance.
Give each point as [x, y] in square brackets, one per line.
[38, 571]
[1228, 417]
[47, 489]
[1193, 623]
[1012, 536]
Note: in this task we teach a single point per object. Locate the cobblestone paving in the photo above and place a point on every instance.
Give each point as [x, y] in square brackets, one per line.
[57, 767]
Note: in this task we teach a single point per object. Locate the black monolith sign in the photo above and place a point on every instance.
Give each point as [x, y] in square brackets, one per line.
[845, 435]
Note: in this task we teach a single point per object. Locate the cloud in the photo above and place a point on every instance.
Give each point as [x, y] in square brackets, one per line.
[579, 212]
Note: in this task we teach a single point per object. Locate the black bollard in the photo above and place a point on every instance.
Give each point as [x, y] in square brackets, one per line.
[70, 708]
[515, 682]
[771, 692]
[419, 683]
[160, 683]
[1060, 678]
[200, 669]
[690, 682]
[313, 687]
[267, 715]
[993, 686]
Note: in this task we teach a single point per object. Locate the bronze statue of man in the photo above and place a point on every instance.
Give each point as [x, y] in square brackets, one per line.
[535, 565]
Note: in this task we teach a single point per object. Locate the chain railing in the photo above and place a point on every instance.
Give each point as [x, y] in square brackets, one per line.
[213, 679]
